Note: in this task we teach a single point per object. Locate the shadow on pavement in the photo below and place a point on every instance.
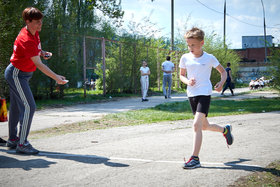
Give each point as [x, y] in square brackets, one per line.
[236, 165]
[40, 163]
[87, 159]
[9, 162]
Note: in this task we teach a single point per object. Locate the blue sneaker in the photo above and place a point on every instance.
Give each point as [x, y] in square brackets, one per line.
[228, 135]
[192, 163]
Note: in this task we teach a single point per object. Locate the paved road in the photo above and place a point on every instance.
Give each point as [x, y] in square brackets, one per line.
[77, 113]
[146, 155]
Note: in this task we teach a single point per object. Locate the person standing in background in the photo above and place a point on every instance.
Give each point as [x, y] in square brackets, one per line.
[145, 72]
[228, 81]
[168, 69]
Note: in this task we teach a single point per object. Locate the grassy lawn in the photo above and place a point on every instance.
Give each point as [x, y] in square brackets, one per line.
[76, 96]
[181, 110]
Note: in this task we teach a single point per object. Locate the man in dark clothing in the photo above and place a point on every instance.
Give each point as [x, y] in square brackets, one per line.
[228, 81]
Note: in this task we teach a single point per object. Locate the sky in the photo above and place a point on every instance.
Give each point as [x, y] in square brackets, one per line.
[244, 17]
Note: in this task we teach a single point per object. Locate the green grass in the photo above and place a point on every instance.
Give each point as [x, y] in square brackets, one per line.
[76, 97]
[181, 110]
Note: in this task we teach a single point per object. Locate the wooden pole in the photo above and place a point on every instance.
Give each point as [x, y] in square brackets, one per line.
[158, 70]
[172, 25]
[225, 12]
[133, 69]
[121, 66]
[85, 66]
[104, 66]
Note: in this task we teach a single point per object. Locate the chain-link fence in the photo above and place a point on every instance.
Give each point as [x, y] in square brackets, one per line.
[114, 66]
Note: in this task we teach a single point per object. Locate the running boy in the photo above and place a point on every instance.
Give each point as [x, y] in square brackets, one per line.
[197, 64]
[24, 61]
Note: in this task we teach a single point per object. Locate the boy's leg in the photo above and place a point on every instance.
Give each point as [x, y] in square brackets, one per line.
[225, 130]
[211, 127]
[197, 127]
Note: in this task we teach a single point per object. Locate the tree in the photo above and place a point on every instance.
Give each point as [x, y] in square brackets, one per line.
[65, 23]
[274, 71]
[10, 25]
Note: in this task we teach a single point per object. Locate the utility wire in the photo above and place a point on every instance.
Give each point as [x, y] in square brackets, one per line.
[234, 17]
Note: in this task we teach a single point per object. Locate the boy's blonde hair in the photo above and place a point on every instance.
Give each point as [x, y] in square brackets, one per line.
[194, 33]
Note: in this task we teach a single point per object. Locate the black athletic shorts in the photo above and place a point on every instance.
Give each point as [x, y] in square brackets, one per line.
[200, 103]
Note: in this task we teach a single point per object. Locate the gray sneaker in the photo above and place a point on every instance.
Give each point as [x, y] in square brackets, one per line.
[192, 163]
[227, 134]
[12, 144]
[26, 149]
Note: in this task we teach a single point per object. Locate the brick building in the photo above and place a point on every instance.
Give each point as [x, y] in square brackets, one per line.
[252, 54]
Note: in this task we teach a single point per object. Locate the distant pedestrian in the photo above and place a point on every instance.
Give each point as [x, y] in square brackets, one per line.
[229, 83]
[145, 72]
[24, 61]
[195, 72]
[168, 69]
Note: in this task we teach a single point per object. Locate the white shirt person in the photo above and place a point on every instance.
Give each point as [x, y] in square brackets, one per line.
[145, 72]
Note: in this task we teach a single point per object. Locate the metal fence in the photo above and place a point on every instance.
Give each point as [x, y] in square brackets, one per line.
[115, 64]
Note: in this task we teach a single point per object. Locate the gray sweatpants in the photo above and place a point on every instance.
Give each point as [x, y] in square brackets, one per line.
[22, 103]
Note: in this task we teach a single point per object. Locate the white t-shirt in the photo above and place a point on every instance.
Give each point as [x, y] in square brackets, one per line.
[144, 70]
[199, 69]
[167, 66]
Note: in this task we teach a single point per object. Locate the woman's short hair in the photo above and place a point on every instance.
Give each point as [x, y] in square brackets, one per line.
[31, 13]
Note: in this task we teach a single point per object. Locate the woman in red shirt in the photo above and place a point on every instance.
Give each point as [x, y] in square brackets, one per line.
[24, 61]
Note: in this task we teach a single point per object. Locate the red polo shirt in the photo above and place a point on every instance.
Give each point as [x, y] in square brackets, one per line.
[26, 46]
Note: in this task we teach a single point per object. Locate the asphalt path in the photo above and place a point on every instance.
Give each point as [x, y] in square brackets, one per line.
[146, 155]
[143, 155]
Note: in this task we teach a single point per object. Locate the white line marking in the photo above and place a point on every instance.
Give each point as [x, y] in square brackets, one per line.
[139, 159]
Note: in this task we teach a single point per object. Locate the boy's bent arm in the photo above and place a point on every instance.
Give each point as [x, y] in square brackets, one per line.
[47, 71]
[183, 77]
[219, 85]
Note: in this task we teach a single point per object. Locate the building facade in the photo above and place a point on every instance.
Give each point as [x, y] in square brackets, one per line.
[252, 65]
